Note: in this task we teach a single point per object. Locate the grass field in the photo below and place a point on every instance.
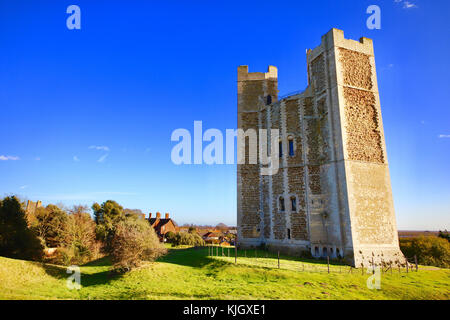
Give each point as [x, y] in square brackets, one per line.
[192, 274]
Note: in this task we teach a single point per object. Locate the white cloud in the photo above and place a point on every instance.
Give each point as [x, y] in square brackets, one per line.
[102, 158]
[444, 136]
[409, 5]
[6, 158]
[75, 158]
[24, 187]
[104, 148]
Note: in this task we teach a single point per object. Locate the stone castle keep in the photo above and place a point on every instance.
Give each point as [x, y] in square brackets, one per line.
[332, 194]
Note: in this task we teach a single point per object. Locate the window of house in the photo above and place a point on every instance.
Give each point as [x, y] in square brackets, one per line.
[269, 99]
[281, 204]
[291, 147]
[288, 233]
[280, 148]
[294, 204]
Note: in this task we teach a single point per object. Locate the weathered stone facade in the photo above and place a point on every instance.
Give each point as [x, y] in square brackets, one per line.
[332, 194]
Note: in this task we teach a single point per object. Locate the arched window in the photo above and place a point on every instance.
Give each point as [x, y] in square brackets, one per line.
[316, 251]
[324, 251]
[281, 204]
[294, 204]
[269, 99]
[280, 148]
[291, 146]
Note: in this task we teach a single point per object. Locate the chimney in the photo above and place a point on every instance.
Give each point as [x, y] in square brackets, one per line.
[158, 215]
[167, 216]
[149, 216]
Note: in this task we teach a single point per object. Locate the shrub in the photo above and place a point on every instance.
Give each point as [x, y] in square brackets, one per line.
[186, 238]
[48, 223]
[433, 251]
[134, 241]
[79, 239]
[444, 235]
[16, 239]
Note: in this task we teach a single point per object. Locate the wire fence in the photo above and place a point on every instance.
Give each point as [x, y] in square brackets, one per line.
[269, 259]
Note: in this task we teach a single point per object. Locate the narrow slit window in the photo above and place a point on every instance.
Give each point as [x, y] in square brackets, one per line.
[280, 148]
[294, 204]
[291, 147]
[288, 233]
[269, 99]
[281, 204]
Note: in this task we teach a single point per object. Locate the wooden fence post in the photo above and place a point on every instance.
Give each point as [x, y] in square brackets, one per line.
[328, 263]
[373, 267]
[278, 259]
[415, 261]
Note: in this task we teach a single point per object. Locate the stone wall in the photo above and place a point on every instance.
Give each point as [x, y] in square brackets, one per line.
[338, 174]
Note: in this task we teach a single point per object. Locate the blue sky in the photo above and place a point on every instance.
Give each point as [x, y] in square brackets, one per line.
[87, 115]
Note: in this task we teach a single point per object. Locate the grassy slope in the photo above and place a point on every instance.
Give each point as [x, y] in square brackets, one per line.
[190, 274]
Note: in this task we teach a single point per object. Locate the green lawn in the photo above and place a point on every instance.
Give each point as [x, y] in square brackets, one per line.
[191, 274]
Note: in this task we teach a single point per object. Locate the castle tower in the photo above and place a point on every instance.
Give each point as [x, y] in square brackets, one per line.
[332, 195]
[255, 90]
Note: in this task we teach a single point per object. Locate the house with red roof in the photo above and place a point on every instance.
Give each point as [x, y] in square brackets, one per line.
[162, 226]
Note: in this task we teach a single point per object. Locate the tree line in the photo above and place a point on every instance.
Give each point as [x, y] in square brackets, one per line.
[75, 236]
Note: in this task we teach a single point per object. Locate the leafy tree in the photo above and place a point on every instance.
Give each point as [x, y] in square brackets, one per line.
[49, 223]
[444, 235]
[170, 236]
[433, 251]
[16, 239]
[186, 238]
[107, 216]
[192, 229]
[134, 241]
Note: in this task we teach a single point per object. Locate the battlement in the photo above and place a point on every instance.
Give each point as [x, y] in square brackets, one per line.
[244, 75]
[336, 38]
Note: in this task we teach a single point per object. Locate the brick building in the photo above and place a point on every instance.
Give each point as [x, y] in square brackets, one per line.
[162, 226]
[332, 194]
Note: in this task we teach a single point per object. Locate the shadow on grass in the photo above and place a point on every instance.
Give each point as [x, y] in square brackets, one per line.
[102, 262]
[87, 279]
[199, 258]
[191, 257]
